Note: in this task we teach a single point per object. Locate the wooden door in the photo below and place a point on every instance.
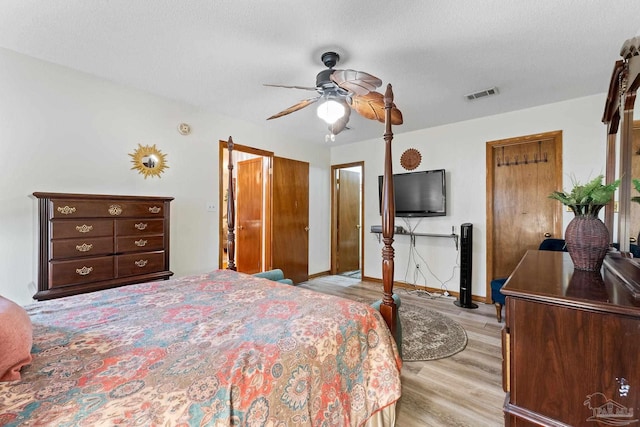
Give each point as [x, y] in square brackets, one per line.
[249, 201]
[348, 222]
[290, 218]
[521, 173]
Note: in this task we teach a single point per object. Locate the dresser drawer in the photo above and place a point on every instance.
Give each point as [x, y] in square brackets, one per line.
[145, 209]
[106, 209]
[71, 248]
[74, 272]
[140, 263]
[81, 228]
[139, 243]
[139, 227]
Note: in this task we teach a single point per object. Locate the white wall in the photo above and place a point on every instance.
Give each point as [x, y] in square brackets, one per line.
[66, 131]
[460, 149]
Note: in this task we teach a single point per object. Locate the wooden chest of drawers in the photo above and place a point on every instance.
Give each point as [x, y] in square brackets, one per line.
[571, 344]
[92, 242]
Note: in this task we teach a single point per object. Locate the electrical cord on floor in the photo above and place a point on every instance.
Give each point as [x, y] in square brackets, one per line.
[443, 284]
[418, 272]
[413, 253]
[411, 259]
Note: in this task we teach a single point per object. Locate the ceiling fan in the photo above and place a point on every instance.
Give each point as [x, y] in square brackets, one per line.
[339, 91]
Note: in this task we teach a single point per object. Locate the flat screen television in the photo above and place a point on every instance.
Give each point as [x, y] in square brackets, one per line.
[418, 194]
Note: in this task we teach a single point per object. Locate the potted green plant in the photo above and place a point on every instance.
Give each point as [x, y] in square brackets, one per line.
[586, 236]
[589, 198]
[636, 185]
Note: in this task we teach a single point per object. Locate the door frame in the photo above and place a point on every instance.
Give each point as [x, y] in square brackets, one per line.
[334, 214]
[222, 169]
[557, 220]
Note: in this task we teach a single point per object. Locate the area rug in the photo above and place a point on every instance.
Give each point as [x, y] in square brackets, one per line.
[429, 335]
[353, 274]
[426, 334]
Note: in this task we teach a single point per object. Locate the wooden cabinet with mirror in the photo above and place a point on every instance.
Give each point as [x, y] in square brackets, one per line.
[570, 338]
[634, 208]
[622, 145]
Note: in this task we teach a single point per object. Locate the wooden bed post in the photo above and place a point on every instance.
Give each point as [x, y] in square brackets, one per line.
[388, 308]
[231, 213]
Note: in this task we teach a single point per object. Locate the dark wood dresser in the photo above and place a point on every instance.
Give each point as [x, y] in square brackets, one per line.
[91, 242]
[571, 343]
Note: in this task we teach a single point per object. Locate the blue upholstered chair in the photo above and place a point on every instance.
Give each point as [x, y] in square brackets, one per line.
[498, 297]
[553, 245]
[276, 275]
[633, 248]
[396, 299]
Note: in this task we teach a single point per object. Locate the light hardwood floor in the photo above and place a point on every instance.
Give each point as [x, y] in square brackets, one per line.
[462, 390]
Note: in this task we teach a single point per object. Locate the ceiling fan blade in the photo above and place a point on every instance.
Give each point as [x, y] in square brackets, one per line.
[371, 106]
[291, 87]
[299, 106]
[354, 81]
[340, 124]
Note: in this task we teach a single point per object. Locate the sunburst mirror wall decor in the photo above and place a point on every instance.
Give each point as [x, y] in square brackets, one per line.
[148, 160]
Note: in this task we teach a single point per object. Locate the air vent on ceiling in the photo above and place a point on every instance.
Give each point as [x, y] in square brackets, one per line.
[482, 93]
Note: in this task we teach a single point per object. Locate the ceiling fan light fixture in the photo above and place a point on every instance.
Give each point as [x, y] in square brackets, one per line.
[330, 111]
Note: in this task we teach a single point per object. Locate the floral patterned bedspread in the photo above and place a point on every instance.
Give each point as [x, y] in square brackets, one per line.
[217, 349]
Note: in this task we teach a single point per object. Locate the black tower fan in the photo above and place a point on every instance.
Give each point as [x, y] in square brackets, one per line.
[466, 243]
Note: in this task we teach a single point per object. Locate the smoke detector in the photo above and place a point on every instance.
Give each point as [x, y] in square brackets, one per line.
[482, 93]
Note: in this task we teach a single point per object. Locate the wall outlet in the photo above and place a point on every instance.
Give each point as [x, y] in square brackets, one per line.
[211, 207]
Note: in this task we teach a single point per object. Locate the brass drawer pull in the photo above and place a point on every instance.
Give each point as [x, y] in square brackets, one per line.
[84, 247]
[67, 210]
[141, 226]
[140, 243]
[84, 228]
[141, 262]
[154, 209]
[84, 270]
[115, 210]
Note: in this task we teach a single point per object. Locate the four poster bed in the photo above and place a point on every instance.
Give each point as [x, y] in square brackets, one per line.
[390, 115]
[223, 348]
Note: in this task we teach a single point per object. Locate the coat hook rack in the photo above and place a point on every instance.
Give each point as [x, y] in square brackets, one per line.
[539, 157]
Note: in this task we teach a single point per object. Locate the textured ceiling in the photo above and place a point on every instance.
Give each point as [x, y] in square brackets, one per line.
[218, 53]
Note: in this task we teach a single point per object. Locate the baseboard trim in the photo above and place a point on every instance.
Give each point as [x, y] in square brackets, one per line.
[426, 288]
[322, 273]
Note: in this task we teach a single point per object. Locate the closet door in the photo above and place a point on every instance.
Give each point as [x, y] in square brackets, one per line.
[249, 202]
[521, 173]
[290, 218]
[348, 224]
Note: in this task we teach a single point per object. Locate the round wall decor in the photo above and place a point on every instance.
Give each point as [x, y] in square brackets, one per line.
[410, 159]
[149, 161]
